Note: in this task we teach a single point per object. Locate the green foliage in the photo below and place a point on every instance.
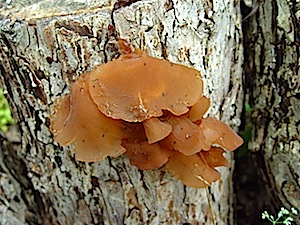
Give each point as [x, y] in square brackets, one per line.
[283, 217]
[5, 114]
[247, 132]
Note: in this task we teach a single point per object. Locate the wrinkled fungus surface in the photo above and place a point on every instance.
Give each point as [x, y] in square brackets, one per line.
[156, 130]
[95, 136]
[147, 156]
[150, 109]
[198, 110]
[186, 137]
[192, 170]
[218, 133]
[138, 88]
[214, 157]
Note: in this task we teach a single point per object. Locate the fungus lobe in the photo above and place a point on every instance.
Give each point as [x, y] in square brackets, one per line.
[219, 133]
[186, 137]
[192, 170]
[198, 110]
[214, 157]
[156, 130]
[136, 87]
[146, 156]
[95, 136]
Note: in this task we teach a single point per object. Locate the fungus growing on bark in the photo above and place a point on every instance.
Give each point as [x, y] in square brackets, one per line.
[156, 130]
[214, 157]
[192, 170]
[143, 155]
[219, 133]
[136, 87]
[151, 110]
[60, 113]
[146, 156]
[198, 110]
[186, 137]
[95, 136]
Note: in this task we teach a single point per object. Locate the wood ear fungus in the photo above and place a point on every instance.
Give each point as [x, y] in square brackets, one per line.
[150, 109]
[95, 136]
[139, 88]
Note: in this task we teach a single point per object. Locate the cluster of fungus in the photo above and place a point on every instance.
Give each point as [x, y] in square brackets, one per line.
[149, 109]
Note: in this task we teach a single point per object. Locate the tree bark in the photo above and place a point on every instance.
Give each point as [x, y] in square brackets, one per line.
[273, 87]
[44, 47]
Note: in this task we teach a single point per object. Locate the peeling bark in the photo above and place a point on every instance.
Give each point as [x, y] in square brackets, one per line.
[273, 86]
[45, 47]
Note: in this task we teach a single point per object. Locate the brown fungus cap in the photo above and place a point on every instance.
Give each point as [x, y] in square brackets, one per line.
[146, 156]
[192, 170]
[218, 133]
[136, 87]
[156, 130]
[143, 155]
[214, 157]
[95, 136]
[198, 110]
[186, 136]
[60, 113]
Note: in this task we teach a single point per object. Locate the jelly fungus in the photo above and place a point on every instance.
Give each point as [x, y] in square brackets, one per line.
[148, 108]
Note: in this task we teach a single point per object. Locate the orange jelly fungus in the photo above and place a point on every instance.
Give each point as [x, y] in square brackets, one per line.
[147, 156]
[140, 87]
[95, 136]
[218, 133]
[214, 157]
[186, 136]
[198, 110]
[143, 155]
[151, 110]
[192, 170]
[156, 130]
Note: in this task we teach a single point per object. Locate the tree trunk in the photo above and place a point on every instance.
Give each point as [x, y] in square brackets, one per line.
[273, 87]
[44, 47]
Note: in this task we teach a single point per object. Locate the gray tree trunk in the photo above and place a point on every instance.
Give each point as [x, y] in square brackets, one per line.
[44, 46]
[273, 86]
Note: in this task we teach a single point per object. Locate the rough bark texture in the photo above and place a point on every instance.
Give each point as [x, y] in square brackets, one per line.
[45, 46]
[273, 84]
